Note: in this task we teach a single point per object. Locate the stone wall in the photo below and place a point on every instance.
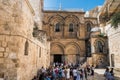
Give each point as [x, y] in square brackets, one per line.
[114, 46]
[21, 55]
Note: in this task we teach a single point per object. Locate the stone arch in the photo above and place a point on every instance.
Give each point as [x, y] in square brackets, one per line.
[89, 22]
[72, 52]
[72, 19]
[57, 48]
[53, 20]
[72, 47]
[88, 25]
[99, 45]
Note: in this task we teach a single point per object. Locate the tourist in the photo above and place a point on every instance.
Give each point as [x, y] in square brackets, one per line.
[78, 75]
[43, 69]
[85, 73]
[68, 73]
[74, 73]
[60, 73]
[63, 73]
[71, 73]
[107, 74]
[88, 69]
[92, 70]
[111, 78]
[53, 74]
[81, 74]
[111, 71]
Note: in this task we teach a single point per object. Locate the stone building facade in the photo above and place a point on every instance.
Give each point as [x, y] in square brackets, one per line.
[66, 34]
[71, 38]
[22, 53]
[43, 37]
[109, 8]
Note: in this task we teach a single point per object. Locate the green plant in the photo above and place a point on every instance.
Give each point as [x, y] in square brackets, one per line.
[115, 20]
[101, 35]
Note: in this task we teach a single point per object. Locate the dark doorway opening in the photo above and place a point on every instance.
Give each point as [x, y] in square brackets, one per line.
[58, 58]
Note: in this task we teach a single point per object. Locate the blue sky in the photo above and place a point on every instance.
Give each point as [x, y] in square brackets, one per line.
[72, 4]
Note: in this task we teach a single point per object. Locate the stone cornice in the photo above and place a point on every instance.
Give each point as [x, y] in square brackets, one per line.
[30, 7]
[90, 17]
[55, 11]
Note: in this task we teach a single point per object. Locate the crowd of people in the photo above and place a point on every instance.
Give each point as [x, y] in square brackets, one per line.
[60, 71]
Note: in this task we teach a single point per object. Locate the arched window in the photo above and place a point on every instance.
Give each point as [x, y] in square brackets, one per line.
[71, 27]
[99, 46]
[26, 48]
[88, 27]
[57, 27]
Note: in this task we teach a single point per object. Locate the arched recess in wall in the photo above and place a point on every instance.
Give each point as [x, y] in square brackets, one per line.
[57, 27]
[72, 52]
[72, 25]
[56, 23]
[88, 25]
[72, 48]
[57, 48]
[72, 19]
[26, 48]
[56, 19]
[99, 46]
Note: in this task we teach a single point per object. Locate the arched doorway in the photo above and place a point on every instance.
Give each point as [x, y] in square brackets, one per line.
[57, 53]
[72, 53]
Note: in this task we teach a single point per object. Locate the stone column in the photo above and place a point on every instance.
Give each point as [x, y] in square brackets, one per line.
[51, 58]
[63, 58]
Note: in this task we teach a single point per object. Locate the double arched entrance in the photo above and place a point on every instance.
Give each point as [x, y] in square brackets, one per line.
[65, 53]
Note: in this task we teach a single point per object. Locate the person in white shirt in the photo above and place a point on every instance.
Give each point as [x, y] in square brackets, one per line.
[68, 73]
[74, 73]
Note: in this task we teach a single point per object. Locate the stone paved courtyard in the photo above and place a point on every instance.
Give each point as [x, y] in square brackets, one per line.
[99, 75]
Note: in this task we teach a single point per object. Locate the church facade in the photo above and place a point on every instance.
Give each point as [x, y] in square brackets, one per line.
[71, 39]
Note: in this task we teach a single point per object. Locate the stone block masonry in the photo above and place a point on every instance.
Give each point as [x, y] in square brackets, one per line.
[13, 61]
[20, 54]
